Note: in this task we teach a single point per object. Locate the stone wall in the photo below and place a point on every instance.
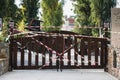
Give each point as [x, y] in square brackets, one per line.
[114, 61]
[4, 57]
[114, 47]
[3, 66]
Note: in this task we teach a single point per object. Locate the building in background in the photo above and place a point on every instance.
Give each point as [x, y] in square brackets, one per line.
[69, 23]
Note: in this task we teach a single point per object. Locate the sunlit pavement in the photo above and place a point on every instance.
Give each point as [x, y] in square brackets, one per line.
[70, 74]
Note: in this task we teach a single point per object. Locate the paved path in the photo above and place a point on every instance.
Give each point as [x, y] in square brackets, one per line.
[54, 75]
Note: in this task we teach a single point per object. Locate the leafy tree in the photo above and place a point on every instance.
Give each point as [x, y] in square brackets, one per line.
[83, 11]
[3, 8]
[101, 11]
[93, 12]
[52, 12]
[12, 8]
[9, 10]
[83, 31]
[31, 8]
[14, 13]
[21, 22]
[4, 11]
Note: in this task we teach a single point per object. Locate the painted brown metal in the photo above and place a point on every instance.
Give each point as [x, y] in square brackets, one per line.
[58, 45]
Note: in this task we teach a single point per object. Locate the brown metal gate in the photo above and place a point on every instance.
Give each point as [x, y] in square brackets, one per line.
[57, 51]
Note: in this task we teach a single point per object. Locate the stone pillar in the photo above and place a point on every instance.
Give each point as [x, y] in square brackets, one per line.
[114, 47]
[115, 32]
[4, 57]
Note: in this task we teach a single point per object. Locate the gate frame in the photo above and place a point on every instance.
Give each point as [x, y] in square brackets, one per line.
[11, 60]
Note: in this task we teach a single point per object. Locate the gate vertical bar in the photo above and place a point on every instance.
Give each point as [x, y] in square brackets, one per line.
[62, 40]
[76, 51]
[96, 52]
[15, 54]
[50, 52]
[82, 50]
[29, 54]
[69, 52]
[102, 54]
[22, 53]
[43, 52]
[36, 55]
[10, 54]
[89, 52]
[106, 55]
[36, 59]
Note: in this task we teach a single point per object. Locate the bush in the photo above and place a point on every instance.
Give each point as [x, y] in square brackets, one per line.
[2, 38]
[95, 32]
[83, 31]
[47, 29]
[87, 31]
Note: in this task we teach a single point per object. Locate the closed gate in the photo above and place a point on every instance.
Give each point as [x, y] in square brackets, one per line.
[57, 51]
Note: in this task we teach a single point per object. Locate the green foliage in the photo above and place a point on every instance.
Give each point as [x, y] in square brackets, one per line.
[4, 32]
[2, 38]
[21, 22]
[83, 11]
[31, 9]
[76, 30]
[87, 31]
[4, 14]
[9, 11]
[21, 25]
[3, 8]
[93, 12]
[83, 31]
[52, 12]
[95, 32]
[101, 11]
[47, 29]
[12, 10]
